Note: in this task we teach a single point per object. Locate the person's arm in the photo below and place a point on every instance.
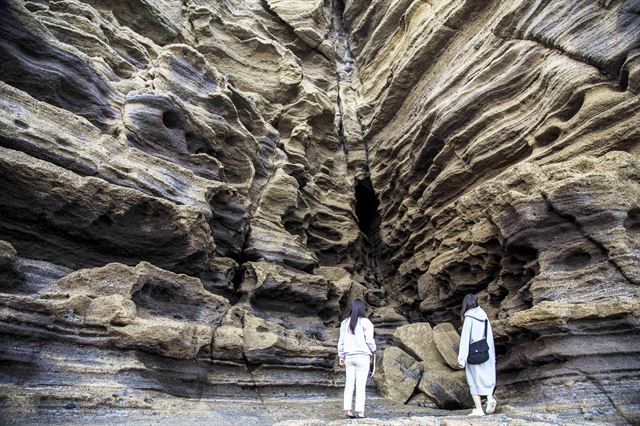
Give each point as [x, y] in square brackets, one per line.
[492, 348]
[368, 336]
[341, 344]
[463, 352]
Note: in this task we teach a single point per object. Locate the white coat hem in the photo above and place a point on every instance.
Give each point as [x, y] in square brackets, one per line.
[481, 390]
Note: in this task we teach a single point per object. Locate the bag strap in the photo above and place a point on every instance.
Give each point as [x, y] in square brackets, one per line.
[485, 326]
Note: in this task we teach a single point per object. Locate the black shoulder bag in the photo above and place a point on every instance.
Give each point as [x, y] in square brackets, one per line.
[479, 350]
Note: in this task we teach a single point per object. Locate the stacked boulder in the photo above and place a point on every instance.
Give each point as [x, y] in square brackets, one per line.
[424, 365]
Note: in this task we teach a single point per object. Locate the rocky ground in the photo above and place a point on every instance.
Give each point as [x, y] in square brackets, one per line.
[275, 410]
[192, 192]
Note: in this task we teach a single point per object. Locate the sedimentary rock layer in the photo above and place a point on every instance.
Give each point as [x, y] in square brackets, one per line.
[199, 189]
[502, 143]
[141, 141]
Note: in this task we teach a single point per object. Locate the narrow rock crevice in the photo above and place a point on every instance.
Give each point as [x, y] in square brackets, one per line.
[344, 64]
[371, 255]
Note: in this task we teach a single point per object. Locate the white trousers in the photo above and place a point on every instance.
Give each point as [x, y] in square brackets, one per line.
[357, 372]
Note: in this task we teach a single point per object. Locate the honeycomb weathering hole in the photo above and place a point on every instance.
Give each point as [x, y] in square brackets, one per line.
[632, 222]
[171, 119]
[624, 79]
[575, 260]
[548, 136]
[21, 124]
[572, 107]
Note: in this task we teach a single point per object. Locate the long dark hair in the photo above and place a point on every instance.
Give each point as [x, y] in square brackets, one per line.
[357, 311]
[469, 302]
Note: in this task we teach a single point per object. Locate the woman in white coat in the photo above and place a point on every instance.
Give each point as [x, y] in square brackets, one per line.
[481, 378]
[355, 348]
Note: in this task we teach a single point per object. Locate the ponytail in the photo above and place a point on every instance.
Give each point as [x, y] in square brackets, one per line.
[357, 311]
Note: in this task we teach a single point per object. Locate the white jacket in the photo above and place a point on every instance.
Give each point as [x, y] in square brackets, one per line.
[358, 343]
[472, 331]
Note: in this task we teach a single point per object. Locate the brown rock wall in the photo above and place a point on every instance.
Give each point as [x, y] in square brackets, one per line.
[288, 157]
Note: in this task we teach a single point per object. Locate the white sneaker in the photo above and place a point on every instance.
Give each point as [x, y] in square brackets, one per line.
[491, 405]
[476, 413]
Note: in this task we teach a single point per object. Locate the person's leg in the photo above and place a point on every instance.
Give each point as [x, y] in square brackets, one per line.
[349, 384]
[492, 403]
[362, 372]
[477, 400]
[471, 371]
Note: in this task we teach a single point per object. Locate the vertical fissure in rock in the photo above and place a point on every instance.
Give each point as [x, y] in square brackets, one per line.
[370, 255]
[367, 209]
[343, 63]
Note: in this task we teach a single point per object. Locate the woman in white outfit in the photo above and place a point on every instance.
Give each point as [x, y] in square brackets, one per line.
[480, 377]
[355, 348]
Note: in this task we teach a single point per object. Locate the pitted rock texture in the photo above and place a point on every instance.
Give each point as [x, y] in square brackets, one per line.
[502, 144]
[195, 191]
[176, 193]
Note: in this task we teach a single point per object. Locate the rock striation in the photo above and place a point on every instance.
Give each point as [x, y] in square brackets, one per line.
[174, 188]
[193, 192]
[502, 145]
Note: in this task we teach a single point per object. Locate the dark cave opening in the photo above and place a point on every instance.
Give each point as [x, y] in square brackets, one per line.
[371, 259]
[367, 207]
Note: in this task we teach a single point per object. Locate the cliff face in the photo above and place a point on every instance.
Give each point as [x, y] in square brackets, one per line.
[503, 142]
[192, 192]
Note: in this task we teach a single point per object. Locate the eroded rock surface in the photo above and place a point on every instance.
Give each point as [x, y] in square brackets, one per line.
[502, 144]
[193, 192]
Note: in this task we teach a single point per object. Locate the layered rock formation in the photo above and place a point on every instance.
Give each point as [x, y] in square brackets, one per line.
[503, 144]
[192, 192]
[174, 189]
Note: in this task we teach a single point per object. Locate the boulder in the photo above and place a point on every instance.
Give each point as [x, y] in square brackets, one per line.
[417, 339]
[397, 374]
[447, 341]
[440, 383]
[421, 400]
[445, 387]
